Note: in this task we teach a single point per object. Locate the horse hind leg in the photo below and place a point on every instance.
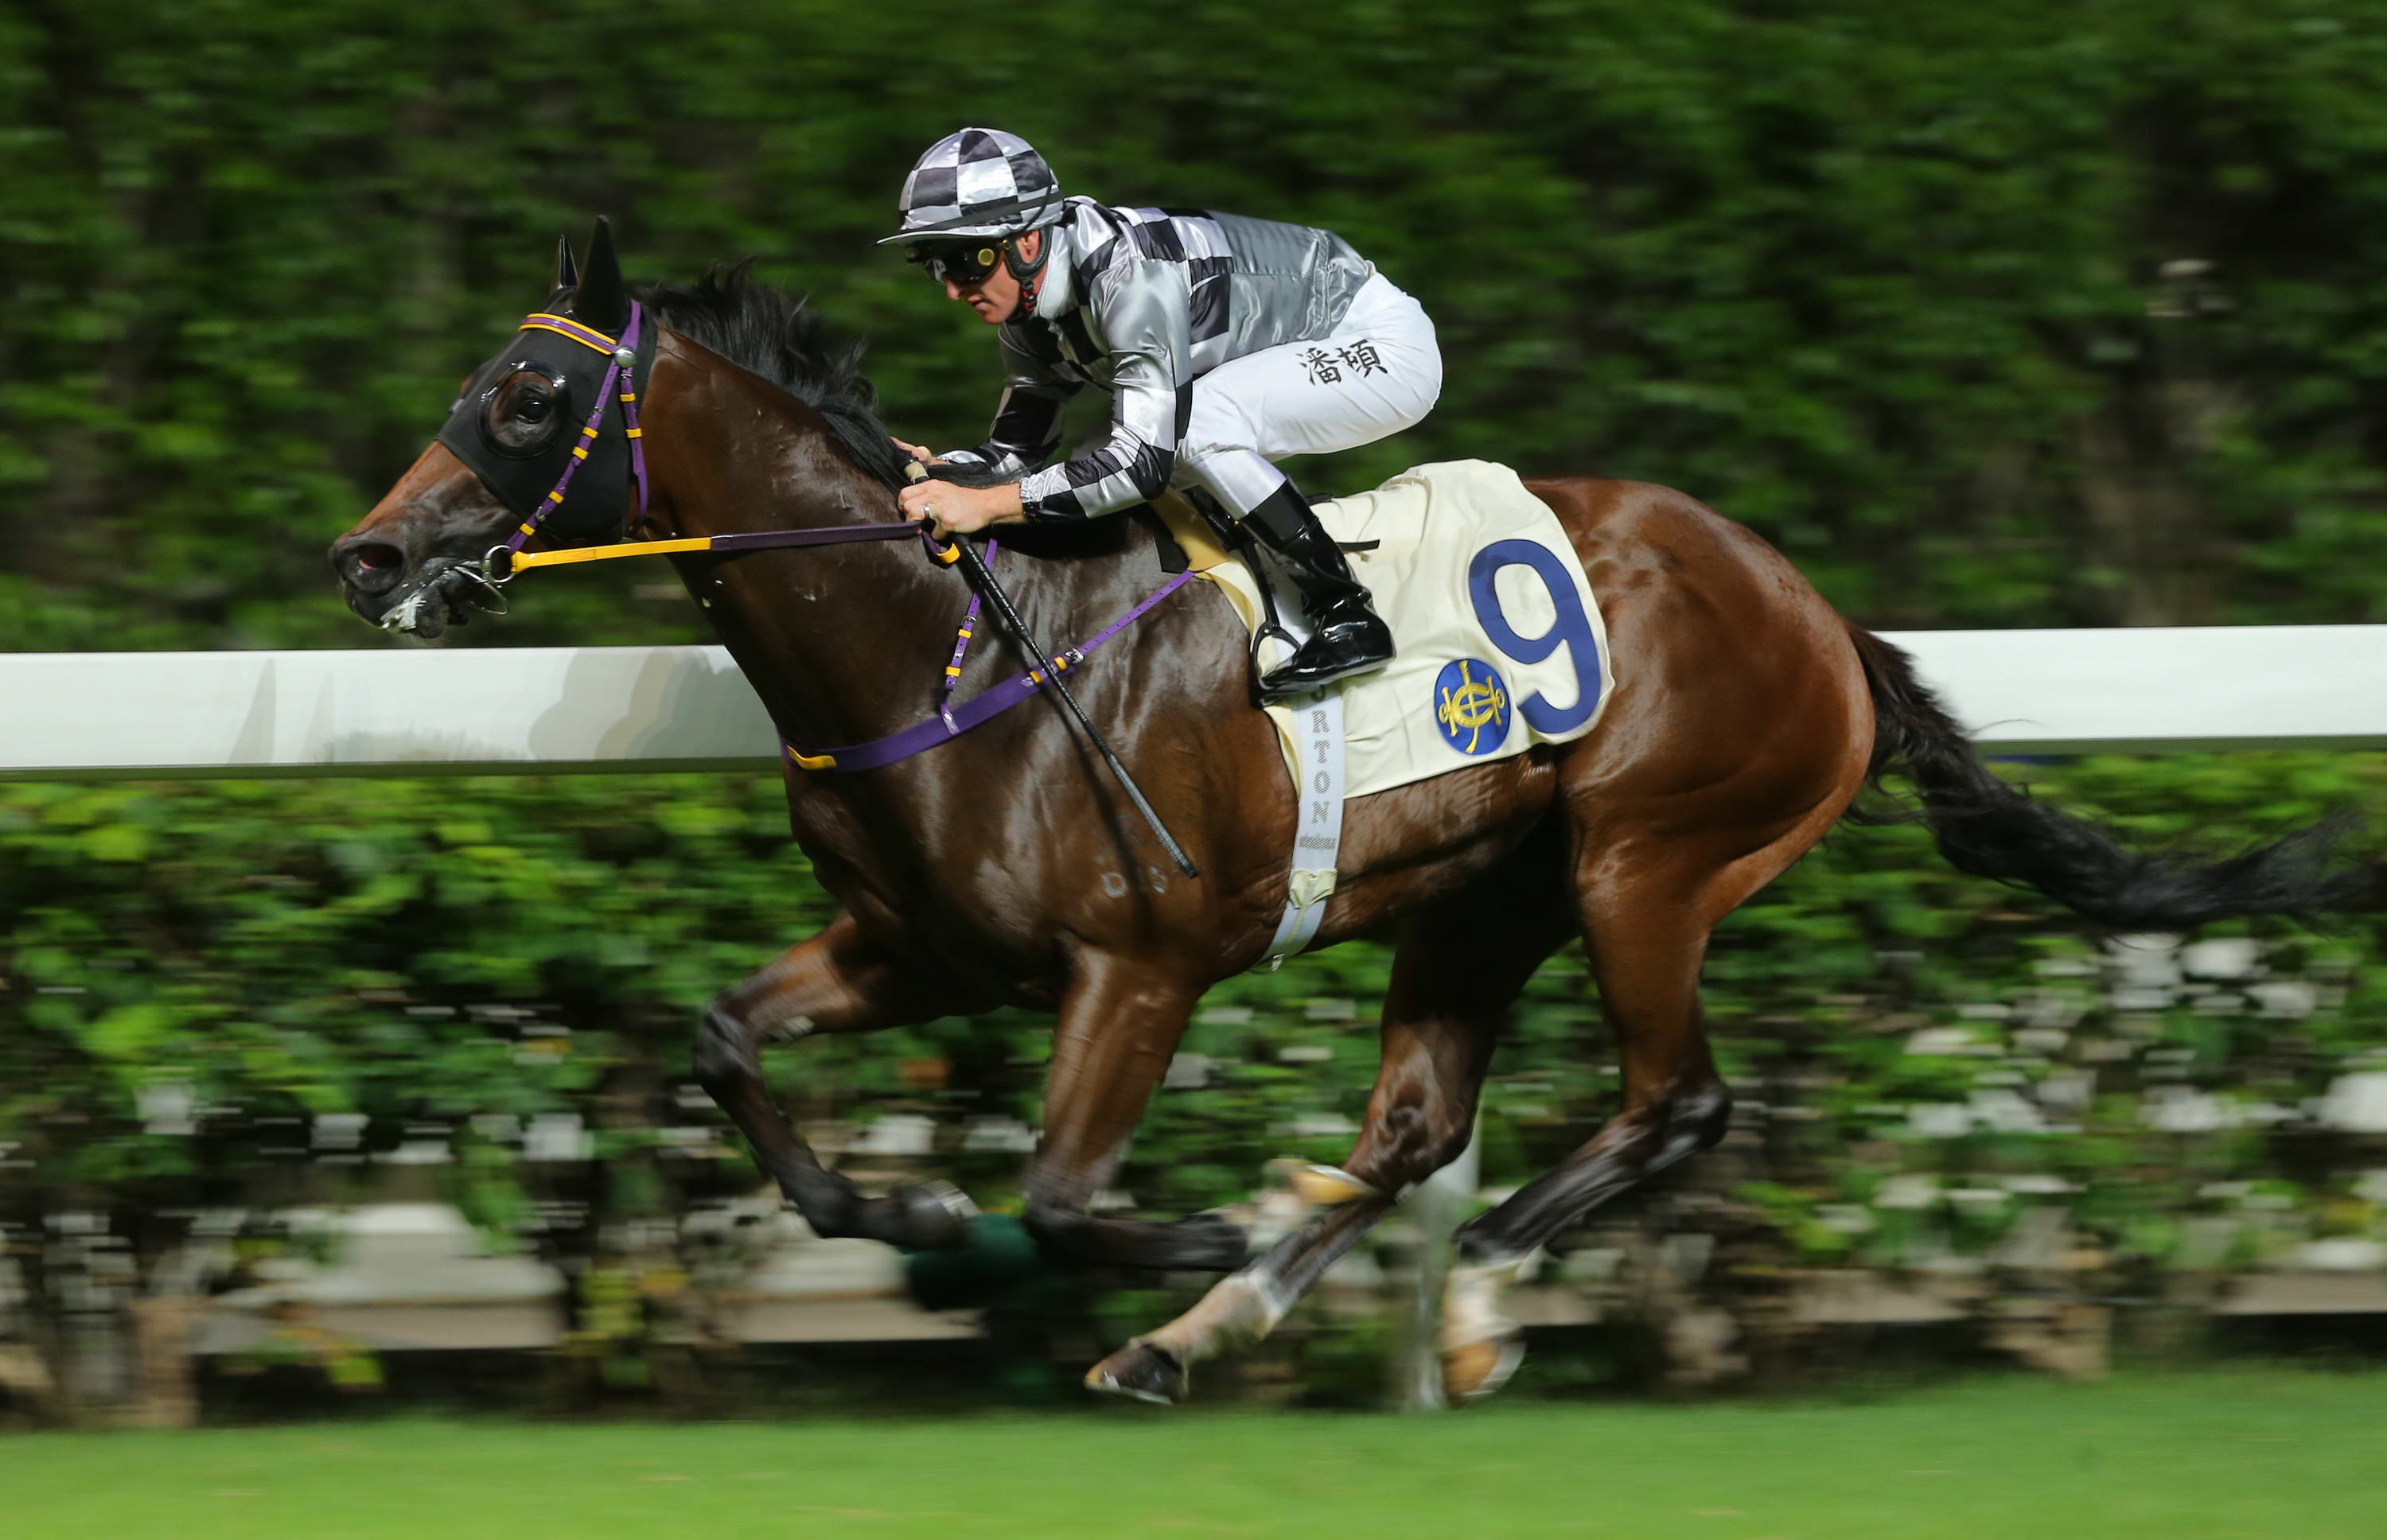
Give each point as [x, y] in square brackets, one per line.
[1647, 925]
[1675, 1105]
[1457, 968]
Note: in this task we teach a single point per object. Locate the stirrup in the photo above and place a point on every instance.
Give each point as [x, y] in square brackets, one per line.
[1271, 626]
[1268, 630]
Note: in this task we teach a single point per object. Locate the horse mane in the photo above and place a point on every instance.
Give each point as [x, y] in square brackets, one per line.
[762, 329]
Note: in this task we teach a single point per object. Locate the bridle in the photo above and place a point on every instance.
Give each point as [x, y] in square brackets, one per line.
[501, 563]
[622, 357]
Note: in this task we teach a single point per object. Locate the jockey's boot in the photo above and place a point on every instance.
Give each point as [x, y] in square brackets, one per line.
[1345, 635]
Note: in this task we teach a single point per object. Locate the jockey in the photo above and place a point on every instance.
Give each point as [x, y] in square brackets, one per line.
[1226, 343]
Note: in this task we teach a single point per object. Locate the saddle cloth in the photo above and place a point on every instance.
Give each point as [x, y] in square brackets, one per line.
[1501, 643]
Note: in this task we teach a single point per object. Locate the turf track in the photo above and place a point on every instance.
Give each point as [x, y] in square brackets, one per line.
[2184, 1457]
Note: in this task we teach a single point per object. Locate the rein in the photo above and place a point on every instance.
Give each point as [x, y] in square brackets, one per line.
[766, 539]
[504, 563]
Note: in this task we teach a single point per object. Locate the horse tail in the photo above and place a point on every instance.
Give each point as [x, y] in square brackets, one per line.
[1993, 829]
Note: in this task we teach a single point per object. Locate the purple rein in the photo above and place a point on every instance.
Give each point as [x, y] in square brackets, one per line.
[952, 722]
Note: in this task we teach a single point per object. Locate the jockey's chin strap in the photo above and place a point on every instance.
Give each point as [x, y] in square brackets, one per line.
[1022, 271]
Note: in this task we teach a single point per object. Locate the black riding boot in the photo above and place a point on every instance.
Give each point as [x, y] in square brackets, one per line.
[1345, 635]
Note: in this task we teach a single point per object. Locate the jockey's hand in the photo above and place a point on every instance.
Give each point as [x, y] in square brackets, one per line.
[914, 450]
[963, 509]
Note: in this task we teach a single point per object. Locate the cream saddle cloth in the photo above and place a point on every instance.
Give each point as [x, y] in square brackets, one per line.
[1501, 645]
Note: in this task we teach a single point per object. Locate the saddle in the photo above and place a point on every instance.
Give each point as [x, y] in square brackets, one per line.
[1501, 642]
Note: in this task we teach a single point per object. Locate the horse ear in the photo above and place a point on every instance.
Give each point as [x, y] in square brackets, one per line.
[567, 272]
[601, 301]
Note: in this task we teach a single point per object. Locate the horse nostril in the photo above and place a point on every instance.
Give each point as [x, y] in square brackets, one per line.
[371, 566]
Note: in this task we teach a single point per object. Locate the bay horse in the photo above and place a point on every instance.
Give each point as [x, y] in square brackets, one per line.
[1002, 868]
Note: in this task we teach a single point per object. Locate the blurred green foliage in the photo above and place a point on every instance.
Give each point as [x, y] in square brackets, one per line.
[194, 975]
[2031, 314]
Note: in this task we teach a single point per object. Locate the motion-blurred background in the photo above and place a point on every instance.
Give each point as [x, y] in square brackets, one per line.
[2014, 314]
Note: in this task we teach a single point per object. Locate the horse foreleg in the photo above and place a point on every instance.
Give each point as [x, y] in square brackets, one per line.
[1119, 1026]
[838, 981]
[1458, 965]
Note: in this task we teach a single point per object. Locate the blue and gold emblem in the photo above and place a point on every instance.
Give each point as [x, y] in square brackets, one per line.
[1471, 706]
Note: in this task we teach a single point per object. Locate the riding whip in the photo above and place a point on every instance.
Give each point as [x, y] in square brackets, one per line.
[974, 567]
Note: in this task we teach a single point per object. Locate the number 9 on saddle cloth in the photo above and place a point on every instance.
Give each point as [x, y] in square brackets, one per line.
[1501, 646]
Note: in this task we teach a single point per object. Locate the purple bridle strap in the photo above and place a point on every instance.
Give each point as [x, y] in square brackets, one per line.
[588, 336]
[962, 638]
[948, 726]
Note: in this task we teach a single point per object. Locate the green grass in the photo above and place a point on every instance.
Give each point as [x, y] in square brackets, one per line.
[2184, 1457]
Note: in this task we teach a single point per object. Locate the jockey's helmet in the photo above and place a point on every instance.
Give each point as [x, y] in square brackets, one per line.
[969, 193]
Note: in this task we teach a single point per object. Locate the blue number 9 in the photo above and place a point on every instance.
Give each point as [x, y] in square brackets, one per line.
[1573, 627]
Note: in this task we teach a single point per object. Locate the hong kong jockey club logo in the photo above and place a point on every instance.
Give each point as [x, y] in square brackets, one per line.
[1471, 706]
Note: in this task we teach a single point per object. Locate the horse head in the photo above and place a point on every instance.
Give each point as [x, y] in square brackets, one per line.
[539, 439]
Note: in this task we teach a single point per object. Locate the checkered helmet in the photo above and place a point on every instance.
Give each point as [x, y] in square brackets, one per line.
[978, 182]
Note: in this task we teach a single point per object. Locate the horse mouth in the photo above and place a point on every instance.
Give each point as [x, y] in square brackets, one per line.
[447, 590]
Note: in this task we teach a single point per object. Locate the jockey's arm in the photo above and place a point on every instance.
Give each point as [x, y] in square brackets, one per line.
[1026, 431]
[1027, 426]
[1146, 329]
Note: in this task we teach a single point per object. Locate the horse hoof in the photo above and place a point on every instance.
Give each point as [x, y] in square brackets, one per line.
[934, 1215]
[1141, 1373]
[1473, 1372]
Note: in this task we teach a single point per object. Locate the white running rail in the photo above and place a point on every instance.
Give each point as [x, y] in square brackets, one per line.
[481, 710]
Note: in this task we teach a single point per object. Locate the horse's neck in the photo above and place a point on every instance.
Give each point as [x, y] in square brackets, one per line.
[846, 643]
[839, 641]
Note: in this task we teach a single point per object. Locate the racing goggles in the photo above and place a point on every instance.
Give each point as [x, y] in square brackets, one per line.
[968, 263]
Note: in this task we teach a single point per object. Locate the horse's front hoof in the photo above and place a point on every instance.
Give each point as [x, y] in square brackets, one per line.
[1474, 1372]
[932, 1217]
[1141, 1373]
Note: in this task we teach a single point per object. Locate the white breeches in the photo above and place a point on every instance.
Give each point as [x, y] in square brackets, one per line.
[1380, 372]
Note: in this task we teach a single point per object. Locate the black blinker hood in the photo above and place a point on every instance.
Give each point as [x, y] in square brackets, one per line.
[596, 507]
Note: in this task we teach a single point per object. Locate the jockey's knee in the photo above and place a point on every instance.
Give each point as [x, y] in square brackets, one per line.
[1431, 389]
